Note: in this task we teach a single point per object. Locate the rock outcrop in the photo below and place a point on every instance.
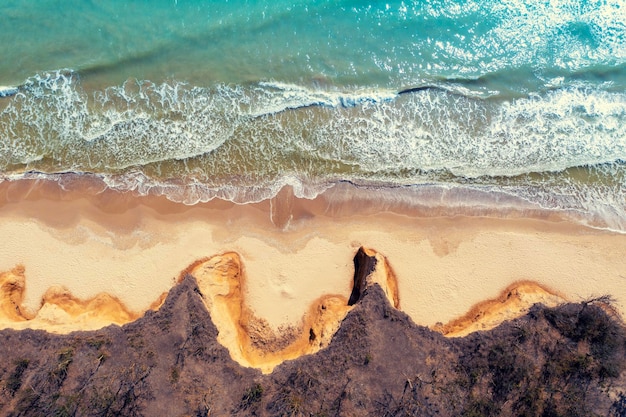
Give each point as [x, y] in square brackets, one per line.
[371, 267]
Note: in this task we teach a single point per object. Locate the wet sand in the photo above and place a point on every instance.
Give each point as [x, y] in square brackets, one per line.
[85, 240]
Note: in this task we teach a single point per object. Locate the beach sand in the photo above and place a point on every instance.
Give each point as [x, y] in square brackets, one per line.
[92, 243]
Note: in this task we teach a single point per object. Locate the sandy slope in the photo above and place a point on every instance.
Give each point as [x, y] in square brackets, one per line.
[133, 250]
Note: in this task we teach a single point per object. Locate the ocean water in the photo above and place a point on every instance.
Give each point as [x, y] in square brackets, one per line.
[511, 104]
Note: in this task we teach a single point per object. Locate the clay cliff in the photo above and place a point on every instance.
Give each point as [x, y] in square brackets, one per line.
[566, 360]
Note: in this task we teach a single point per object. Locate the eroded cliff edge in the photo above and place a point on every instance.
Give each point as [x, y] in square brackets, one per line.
[566, 360]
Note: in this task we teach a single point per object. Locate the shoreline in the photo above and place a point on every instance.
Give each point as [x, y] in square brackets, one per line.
[91, 240]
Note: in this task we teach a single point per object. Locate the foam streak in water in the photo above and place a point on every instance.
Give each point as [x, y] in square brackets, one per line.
[243, 143]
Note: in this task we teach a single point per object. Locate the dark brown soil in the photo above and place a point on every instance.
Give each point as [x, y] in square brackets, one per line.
[566, 361]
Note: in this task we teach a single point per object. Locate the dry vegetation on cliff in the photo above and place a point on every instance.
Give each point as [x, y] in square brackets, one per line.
[564, 361]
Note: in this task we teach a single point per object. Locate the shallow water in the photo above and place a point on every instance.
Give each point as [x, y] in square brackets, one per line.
[510, 102]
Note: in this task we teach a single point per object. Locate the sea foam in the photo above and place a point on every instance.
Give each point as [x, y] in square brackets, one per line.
[561, 150]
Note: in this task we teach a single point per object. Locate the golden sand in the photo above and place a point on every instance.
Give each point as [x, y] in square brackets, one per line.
[108, 257]
[250, 340]
[511, 303]
[60, 311]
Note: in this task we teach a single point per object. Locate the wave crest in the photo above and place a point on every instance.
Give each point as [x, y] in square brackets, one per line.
[244, 143]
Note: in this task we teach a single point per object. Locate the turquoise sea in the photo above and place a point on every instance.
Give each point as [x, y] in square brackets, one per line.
[504, 105]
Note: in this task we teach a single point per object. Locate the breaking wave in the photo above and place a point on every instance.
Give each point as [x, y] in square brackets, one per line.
[560, 150]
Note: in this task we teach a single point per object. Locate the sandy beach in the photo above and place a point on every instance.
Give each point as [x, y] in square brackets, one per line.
[88, 241]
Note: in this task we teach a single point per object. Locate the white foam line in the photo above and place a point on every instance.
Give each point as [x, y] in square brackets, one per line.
[6, 91]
